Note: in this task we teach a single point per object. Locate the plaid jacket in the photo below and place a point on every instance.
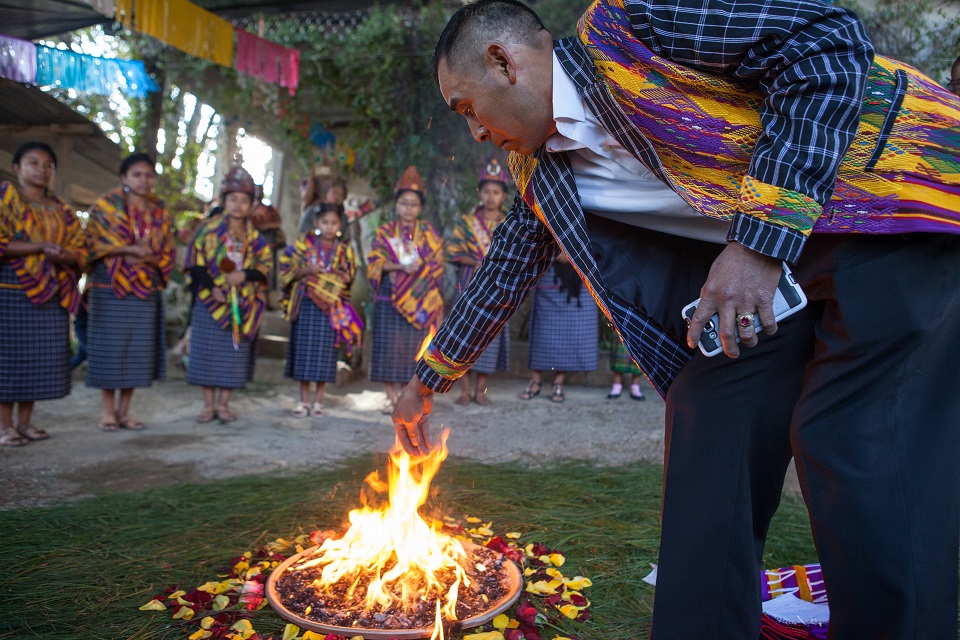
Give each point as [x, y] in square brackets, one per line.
[816, 83]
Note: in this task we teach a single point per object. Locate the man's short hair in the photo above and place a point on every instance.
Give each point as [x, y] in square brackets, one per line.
[476, 23]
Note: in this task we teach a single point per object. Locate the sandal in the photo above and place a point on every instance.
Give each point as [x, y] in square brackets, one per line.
[226, 415]
[30, 432]
[462, 401]
[532, 390]
[126, 422]
[317, 409]
[207, 415]
[557, 393]
[302, 410]
[482, 399]
[10, 438]
[108, 424]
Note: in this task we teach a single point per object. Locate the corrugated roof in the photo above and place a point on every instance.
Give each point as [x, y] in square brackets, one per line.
[27, 113]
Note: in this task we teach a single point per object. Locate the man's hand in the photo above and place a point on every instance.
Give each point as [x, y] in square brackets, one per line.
[411, 417]
[741, 281]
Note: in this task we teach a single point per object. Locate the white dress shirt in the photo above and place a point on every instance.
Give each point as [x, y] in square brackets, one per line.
[611, 182]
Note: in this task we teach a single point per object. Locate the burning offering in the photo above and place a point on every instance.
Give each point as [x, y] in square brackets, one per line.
[393, 574]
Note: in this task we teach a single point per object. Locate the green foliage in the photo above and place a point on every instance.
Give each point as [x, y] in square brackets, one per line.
[371, 84]
[923, 33]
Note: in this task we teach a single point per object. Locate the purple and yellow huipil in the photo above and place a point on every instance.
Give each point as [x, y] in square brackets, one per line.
[41, 278]
[112, 225]
[209, 249]
[415, 296]
[304, 252]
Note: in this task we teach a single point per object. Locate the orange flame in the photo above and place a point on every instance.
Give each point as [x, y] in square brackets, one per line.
[394, 546]
[426, 342]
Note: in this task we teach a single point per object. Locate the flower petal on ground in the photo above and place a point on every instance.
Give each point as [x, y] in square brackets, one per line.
[154, 605]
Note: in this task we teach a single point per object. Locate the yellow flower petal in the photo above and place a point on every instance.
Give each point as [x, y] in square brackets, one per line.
[200, 635]
[578, 583]
[514, 624]
[484, 531]
[553, 573]
[528, 550]
[486, 635]
[244, 628]
[313, 635]
[528, 572]
[183, 613]
[543, 587]
[561, 638]
[473, 520]
[154, 605]
[512, 535]
[253, 572]
[501, 621]
[557, 559]
[207, 622]
[290, 632]
[185, 603]
[176, 594]
[570, 611]
[219, 603]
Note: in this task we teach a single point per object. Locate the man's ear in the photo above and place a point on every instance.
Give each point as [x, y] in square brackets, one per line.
[500, 61]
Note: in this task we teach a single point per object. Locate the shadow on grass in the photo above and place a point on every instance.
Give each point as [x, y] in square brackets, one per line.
[83, 569]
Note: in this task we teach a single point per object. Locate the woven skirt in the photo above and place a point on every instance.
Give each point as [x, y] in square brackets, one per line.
[396, 342]
[621, 362]
[126, 341]
[496, 357]
[564, 336]
[311, 352]
[213, 360]
[34, 345]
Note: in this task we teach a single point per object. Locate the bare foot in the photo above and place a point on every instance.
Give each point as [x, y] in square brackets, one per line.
[463, 400]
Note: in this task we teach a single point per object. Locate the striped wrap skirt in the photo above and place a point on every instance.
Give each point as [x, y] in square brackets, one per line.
[564, 335]
[34, 344]
[396, 342]
[126, 338]
[496, 357]
[213, 360]
[312, 351]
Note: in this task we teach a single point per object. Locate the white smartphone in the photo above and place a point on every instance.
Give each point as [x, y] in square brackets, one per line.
[787, 300]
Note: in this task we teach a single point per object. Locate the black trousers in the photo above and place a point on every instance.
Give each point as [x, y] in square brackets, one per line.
[860, 389]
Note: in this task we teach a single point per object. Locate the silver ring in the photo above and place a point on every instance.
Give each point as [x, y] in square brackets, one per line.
[745, 320]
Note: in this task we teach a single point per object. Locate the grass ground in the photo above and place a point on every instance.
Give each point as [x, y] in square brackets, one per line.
[81, 570]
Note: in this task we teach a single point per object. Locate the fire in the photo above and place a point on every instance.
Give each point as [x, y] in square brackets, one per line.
[426, 342]
[392, 547]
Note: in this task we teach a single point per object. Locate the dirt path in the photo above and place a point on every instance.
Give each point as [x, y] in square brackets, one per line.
[81, 461]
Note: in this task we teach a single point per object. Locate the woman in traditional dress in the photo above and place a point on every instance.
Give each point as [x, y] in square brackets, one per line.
[405, 269]
[229, 264]
[564, 329]
[41, 252]
[622, 364]
[130, 262]
[315, 276]
[466, 248]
